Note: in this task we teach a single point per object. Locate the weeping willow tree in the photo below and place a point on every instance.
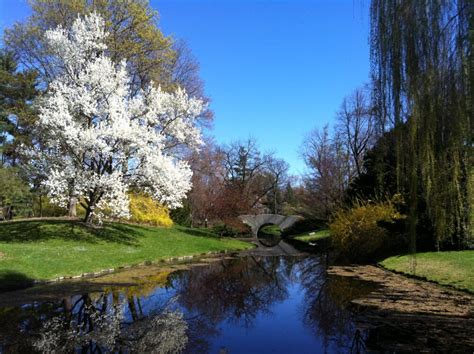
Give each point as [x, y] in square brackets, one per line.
[422, 71]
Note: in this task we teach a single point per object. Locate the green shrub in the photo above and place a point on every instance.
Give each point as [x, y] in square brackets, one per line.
[359, 235]
[182, 216]
[43, 207]
[15, 194]
[224, 230]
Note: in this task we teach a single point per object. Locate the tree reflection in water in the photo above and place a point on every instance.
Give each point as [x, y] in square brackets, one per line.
[236, 289]
[326, 304]
[330, 312]
[94, 326]
[186, 311]
[87, 326]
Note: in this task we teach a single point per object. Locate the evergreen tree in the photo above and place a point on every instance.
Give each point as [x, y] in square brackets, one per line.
[17, 117]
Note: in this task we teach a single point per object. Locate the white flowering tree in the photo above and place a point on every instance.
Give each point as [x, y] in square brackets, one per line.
[103, 139]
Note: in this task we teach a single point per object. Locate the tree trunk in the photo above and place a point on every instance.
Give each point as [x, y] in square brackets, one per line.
[41, 206]
[132, 308]
[89, 215]
[91, 203]
[72, 207]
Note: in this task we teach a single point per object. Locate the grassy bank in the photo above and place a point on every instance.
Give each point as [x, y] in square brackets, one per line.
[313, 236]
[50, 249]
[448, 268]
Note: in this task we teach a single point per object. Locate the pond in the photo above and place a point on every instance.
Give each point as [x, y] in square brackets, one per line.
[242, 304]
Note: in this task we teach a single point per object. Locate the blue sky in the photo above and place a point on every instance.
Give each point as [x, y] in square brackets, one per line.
[273, 69]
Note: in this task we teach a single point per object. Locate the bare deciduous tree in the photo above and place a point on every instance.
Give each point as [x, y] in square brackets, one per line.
[235, 179]
[185, 74]
[328, 176]
[254, 174]
[208, 183]
[355, 124]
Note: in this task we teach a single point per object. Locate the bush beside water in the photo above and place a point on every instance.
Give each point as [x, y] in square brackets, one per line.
[359, 234]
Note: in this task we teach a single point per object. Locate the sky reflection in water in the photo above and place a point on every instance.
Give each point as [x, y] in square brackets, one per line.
[252, 304]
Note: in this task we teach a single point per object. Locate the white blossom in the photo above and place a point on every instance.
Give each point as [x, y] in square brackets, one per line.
[103, 140]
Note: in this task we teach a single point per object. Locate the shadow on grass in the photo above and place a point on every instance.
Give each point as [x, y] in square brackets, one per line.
[197, 232]
[12, 280]
[67, 230]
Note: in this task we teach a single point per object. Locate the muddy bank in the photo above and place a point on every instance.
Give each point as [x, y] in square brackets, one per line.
[406, 295]
[406, 314]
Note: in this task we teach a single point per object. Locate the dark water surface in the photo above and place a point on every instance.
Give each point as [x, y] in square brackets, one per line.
[253, 304]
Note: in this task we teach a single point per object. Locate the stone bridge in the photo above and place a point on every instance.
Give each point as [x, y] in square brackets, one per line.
[257, 221]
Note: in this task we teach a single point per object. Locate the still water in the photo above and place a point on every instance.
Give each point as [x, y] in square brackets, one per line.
[252, 304]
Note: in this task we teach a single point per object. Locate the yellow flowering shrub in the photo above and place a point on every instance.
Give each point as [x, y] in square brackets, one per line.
[358, 233]
[145, 210]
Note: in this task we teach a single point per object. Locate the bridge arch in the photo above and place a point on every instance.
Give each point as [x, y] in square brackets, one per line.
[269, 235]
[257, 221]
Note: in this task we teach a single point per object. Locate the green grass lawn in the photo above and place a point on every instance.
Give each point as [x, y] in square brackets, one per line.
[318, 235]
[54, 248]
[454, 268]
[271, 230]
